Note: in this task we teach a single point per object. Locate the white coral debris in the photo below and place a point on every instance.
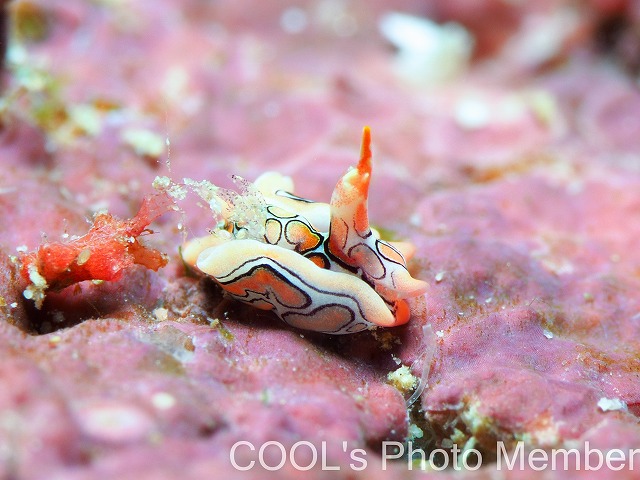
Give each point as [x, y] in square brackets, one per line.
[144, 142]
[35, 291]
[611, 404]
[427, 52]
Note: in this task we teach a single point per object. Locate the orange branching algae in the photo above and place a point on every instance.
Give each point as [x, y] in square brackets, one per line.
[105, 252]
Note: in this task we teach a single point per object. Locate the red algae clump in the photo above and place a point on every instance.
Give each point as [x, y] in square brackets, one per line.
[105, 252]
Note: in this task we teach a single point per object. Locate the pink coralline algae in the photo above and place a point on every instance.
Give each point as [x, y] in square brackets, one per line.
[508, 159]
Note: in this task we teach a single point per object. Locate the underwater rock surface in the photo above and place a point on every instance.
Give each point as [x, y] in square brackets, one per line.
[517, 178]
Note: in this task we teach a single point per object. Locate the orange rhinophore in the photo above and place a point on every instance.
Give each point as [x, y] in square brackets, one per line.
[318, 266]
[105, 252]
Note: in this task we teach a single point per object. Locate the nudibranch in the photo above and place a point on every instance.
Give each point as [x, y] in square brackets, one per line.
[318, 266]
